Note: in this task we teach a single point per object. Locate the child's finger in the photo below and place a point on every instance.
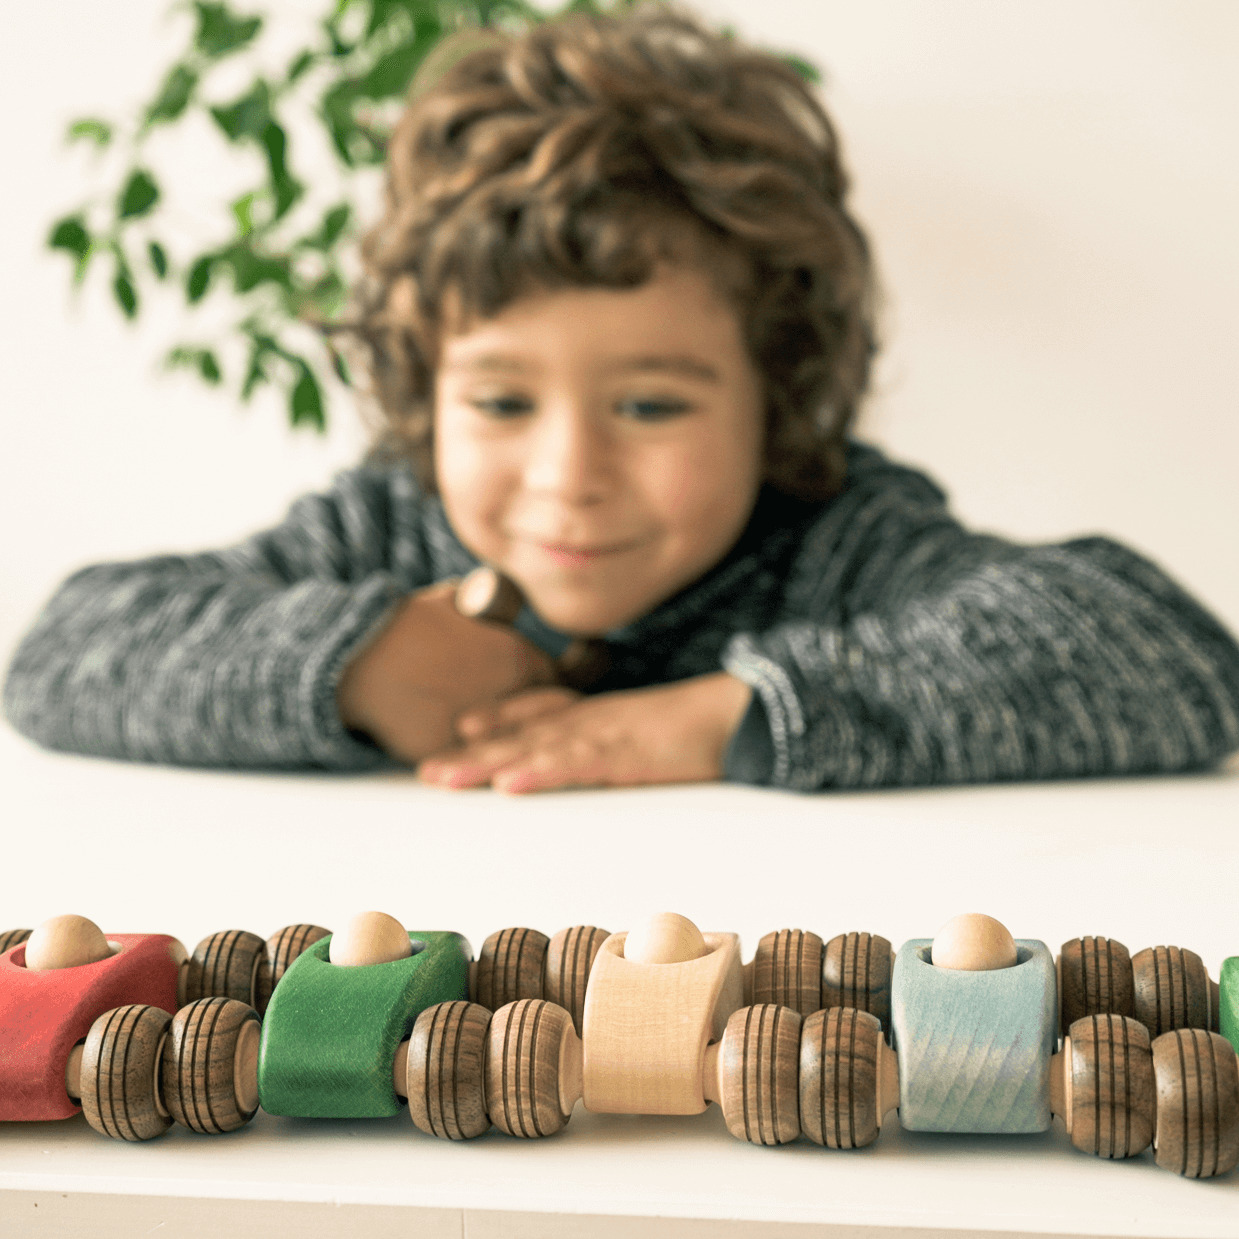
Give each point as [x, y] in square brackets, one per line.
[513, 711]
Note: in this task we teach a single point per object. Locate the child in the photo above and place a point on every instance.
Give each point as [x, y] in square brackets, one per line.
[619, 322]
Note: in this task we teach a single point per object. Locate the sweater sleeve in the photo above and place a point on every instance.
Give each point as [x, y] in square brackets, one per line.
[912, 651]
[226, 658]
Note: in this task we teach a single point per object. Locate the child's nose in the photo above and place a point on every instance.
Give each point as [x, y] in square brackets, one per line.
[569, 456]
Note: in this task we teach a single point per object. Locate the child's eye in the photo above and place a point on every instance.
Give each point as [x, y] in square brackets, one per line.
[502, 406]
[653, 410]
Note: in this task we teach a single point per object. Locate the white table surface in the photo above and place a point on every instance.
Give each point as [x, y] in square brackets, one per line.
[189, 852]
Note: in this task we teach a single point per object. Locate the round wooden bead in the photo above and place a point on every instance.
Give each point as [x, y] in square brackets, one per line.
[208, 1071]
[583, 663]
[759, 1062]
[973, 942]
[569, 958]
[1197, 1127]
[787, 970]
[446, 1083]
[226, 965]
[856, 972]
[665, 938]
[1112, 1091]
[10, 938]
[489, 595]
[525, 1045]
[839, 1077]
[1095, 978]
[1171, 989]
[120, 1073]
[282, 948]
[510, 966]
[65, 942]
[369, 938]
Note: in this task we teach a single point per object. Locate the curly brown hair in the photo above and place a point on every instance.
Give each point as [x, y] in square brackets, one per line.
[587, 150]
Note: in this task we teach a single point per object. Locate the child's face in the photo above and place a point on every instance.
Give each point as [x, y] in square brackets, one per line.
[602, 447]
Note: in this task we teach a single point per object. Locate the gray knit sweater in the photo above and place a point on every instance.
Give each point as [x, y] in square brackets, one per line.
[886, 645]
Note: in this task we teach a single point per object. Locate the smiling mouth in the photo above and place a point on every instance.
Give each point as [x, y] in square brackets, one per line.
[571, 554]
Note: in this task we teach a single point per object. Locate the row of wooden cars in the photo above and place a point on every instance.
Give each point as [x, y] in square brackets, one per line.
[971, 1031]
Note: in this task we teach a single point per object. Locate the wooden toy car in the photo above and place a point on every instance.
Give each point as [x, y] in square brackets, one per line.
[60, 985]
[974, 1021]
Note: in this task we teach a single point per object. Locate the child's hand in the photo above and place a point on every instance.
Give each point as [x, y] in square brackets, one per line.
[429, 664]
[551, 737]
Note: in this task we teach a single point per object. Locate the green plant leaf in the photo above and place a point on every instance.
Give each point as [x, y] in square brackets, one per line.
[808, 72]
[199, 278]
[243, 213]
[300, 67]
[328, 232]
[248, 116]
[125, 293]
[193, 357]
[305, 403]
[70, 234]
[97, 131]
[220, 31]
[208, 367]
[286, 188]
[249, 268]
[138, 197]
[159, 259]
[390, 74]
[173, 96]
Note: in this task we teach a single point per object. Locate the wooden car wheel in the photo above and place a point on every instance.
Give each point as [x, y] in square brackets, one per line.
[1197, 1126]
[209, 1068]
[524, 1048]
[787, 970]
[120, 1073]
[759, 1070]
[446, 1079]
[856, 972]
[280, 950]
[13, 937]
[1095, 978]
[569, 957]
[839, 1050]
[228, 964]
[510, 967]
[1172, 990]
[1112, 1092]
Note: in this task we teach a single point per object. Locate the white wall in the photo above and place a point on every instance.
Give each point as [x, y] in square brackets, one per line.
[1052, 186]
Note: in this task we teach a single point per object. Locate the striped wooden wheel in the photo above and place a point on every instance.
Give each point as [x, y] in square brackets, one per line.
[523, 1054]
[759, 1069]
[446, 1082]
[1172, 990]
[787, 970]
[1095, 978]
[120, 1073]
[839, 1050]
[569, 957]
[1112, 1095]
[13, 937]
[510, 966]
[228, 964]
[280, 950]
[1197, 1128]
[856, 972]
[209, 1068]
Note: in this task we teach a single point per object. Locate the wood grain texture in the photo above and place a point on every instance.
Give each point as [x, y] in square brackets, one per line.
[569, 958]
[839, 1077]
[1171, 990]
[787, 970]
[1197, 1128]
[856, 972]
[1112, 1092]
[228, 964]
[525, 1044]
[10, 938]
[759, 1071]
[446, 1073]
[281, 949]
[510, 966]
[1095, 978]
[198, 1068]
[120, 1073]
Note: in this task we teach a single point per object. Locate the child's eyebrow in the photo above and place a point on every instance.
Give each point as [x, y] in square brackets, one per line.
[671, 363]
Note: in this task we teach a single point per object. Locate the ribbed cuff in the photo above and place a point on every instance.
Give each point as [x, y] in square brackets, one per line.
[750, 755]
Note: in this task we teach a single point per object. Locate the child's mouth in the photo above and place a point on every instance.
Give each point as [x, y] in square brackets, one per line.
[577, 556]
